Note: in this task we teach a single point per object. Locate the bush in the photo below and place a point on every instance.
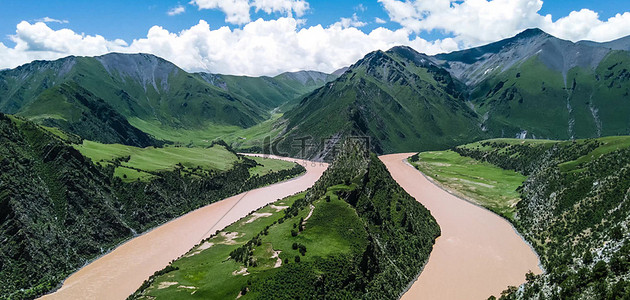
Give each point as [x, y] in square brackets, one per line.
[297, 258]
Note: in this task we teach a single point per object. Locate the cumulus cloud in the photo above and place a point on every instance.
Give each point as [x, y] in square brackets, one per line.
[282, 6]
[51, 20]
[237, 11]
[177, 10]
[350, 22]
[474, 22]
[379, 20]
[259, 48]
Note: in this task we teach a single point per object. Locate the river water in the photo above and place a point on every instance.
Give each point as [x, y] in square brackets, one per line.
[478, 254]
[119, 273]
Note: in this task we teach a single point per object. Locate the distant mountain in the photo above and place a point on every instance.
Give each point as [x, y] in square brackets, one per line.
[152, 94]
[532, 85]
[270, 92]
[538, 86]
[398, 98]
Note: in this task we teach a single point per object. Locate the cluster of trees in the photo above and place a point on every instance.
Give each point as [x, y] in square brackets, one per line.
[245, 254]
[300, 248]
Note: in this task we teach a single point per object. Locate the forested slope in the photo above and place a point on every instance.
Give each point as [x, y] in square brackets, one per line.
[574, 209]
[58, 209]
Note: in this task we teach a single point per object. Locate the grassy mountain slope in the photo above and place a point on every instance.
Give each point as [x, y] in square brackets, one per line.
[398, 98]
[354, 234]
[271, 92]
[538, 86]
[152, 94]
[573, 209]
[58, 209]
[71, 108]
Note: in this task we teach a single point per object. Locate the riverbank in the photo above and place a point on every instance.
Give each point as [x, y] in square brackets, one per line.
[119, 273]
[479, 253]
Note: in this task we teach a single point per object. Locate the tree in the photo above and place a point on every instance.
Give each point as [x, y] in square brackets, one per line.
[297, 258]
[587, 259]
[600, 270]
[530, 277]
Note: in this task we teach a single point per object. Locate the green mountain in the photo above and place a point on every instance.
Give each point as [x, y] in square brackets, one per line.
[60, 209]
[271, 92]
[152, 94]
[356, 234]
[398, 98]
[532, 85]
[538, 86]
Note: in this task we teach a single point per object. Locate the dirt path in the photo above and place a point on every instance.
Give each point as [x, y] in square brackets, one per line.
[119, 273]
[479, 253]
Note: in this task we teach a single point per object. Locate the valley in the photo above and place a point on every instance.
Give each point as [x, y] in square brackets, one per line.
[340, 238]
[499, 171]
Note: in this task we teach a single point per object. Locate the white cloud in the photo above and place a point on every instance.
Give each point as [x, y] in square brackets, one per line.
[237, 11]
[177, 10]
[379, 20]
[286, 44]
[349, 22]
[51, 20]
[285, 7]
[360, 7]
[475, 22]
[259, 48]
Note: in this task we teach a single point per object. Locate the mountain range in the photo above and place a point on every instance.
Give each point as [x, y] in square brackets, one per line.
[110, 97]
[532, 85]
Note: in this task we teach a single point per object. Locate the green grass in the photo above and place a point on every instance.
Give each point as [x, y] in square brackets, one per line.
[269, 165]
[333, 228]
[144, 162]
[480, 182]
[609, 144]
[239, 137]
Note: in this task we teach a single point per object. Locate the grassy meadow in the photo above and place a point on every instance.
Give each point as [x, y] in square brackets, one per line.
[133, 163]
[480, 182]
[331, 227]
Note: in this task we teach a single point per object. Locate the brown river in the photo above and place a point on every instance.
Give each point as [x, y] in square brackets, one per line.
[478, 254]
[119, 273]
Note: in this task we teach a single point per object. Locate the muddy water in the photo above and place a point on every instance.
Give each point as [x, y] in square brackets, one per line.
[479, 253]
[120, 272]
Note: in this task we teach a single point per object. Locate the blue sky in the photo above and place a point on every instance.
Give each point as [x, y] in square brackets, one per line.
[429, 26]
[132, 19]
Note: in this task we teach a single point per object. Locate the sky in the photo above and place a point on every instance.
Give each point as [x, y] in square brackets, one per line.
[268, 37]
